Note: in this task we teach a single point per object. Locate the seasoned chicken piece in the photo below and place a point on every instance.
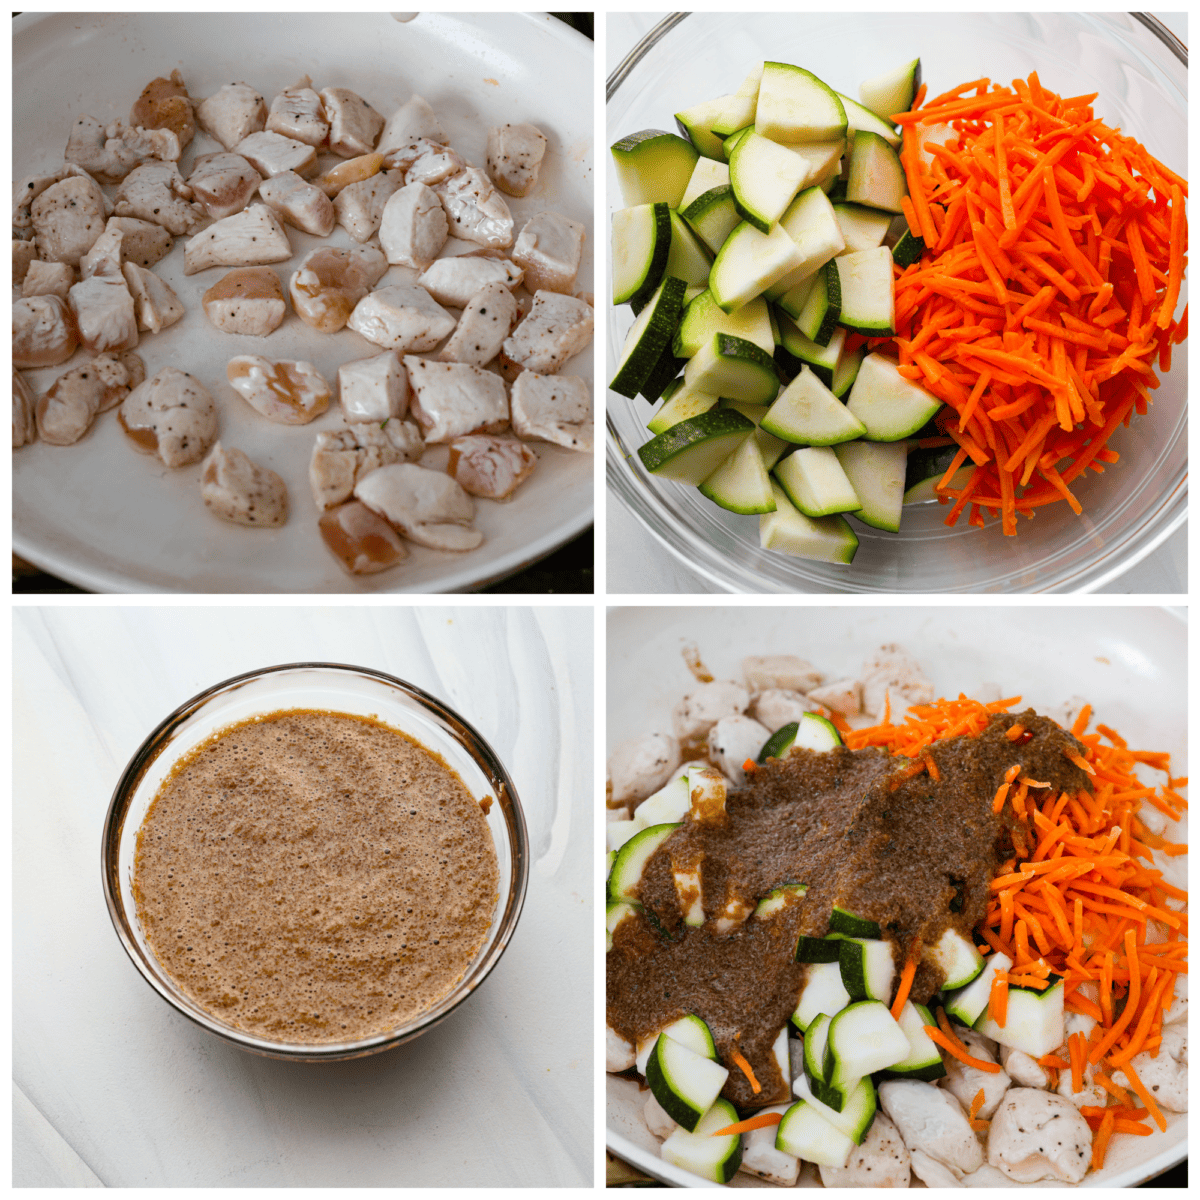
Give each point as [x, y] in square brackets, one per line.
[359, 206]
[329, 282]
[485, 323]
[362, 542]
[843, 696]
[556, 329]
[639, 767]
[48, 279]
[237, 489]
[413, 228]
[514, 154]
[425, 161]
[102, 304]
[172, 415]
[297, 112]
[342, 457]
[250, 238]
[1165, 1076]
[893, 674]
[777, 707]
[272, 154]
[932, 1121]
[881, 1161]
[450, 399]
[102, 151]
[353, 170]
[455, 280]
[223, 183]
[731, 741]
[67, 219]
[24, 253]
[1038, 1135]
[553, 409]
[156, 192]
[106, 252]
[619, 1055]
[703, 707]
[763, 671]
[409, 122]
[490, 466]
[154, 300]
[373, 389]
[25, 192]
[249, 300]
[162, 144]
[428, 507]
[548, 249]
[299, 203]
[403, 317]
[964, 1081]
[44, 332]
[475, 210]
[353, 123]
[66, 412]
[144, 242]
[287, 392]
[24, 420]
[164, 104]
[232, 114]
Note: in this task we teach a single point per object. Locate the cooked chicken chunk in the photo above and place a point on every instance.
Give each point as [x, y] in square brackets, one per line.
[105, 253]
[102, 304]
[342, 457]
[144, 243]
[1038, 1135]
[731, 741]
[156, 192]
[777, 707]
[425, 161]
[373, 389]
[272, 154]
[287, 392]
[353, 170]
[359, 207]
[353, 123]
[299, 203]
[24, 421]
[25, 192]
[556, 329]
[1166, 1076]
[450, 399]
[232, 114]
[514, 154]
[403, 317]
[881, 1161]
[485, 323]
[154, 300]
[362, 542]
[249, 300]
[67, 219]
[428, 507]
[932, 1120]
[110, 152]
[237, 489]
[763, 671]
[893, 677]
[48, 279]
[413, 228]
[24, 253]
[548, 249]
[66, 412]
[704, 706]
[44, 332]
[475, 210]
[250, 238]
[409, 122]
[297, 112]
[172, 415]
[489, 466]
[329, 282]
[639, 767]
[455, 280]
[223, 183]
[554, 409]
[164, 104]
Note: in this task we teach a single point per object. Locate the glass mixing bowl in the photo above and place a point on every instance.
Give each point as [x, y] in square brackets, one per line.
[1140, 72]
[334, 688]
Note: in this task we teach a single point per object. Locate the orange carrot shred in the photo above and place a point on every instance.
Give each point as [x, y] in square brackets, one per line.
[740, 1059]
[758, 1121]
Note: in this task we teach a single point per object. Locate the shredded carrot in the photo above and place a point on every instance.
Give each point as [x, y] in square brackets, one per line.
[1100, 1142]
[740, 1059]
[976, 1104]
[954, 1047]
[749, 766]
[998, 999]
[906, 979]
[758, 1121]
[1144, 1095]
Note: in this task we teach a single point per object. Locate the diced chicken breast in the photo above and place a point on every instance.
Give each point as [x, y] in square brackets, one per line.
[556, 329]
[105, 253]
[492, 467]
[24, 253]
[250, 238]
[232, 114]
[373, 389]
[329, 282]
[764, 671]
[297, 112]
[272, 154]
[882, 1161]
[733, 740]
[299, 203]
[932, 1121]
[548, 249]
[450, 399]
[1038, 1135]
[893, 672]
[67, 218]
[658, 1120]
[249, 300]
[342, 457]
[619, 1054]
[777, 707]
[703, 707]
[1022, 1069]
[353, 170]
[102, 151]
[223, 183]
[172, 415]
[403, 317]
[164, 104]
[425, 161]
[843, 696]
[48, 279]
[44, 332]
[65, 413]
[237, 489]
[637, 768]
[102, 304]
[24, 419]
[362, 542]
[409, 122]
[761, 1159]
[485, 322]
[359, 206]
[475, 210]
[25, 192]
[354, 125]
[455, 280]
[1166, 1077]
[144, 242]
[154, 301]
[553, 408]
[964, 1082]
[287, 392]
[413, 228]
[428, 507]
[514, 155]
[156, 192]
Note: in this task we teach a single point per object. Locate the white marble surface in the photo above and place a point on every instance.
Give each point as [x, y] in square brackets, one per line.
[113, 1088]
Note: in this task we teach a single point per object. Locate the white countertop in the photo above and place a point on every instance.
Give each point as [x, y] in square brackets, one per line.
[112, 1088]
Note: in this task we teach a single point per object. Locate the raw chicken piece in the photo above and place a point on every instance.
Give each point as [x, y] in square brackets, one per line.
[485, 323]
[556, 329]
[154, 300]
[250, 238]
[425, 161]
[144, 243]
[67, 218]
[103, 151]
[299, 203]
[548, 249]
[553, 409]
[287, 392]
[223, 183]
[66, 412]
[359, 206]
[44, 332]
[164, 104]
[490, 466]
[413, 228]
[24, 253]
[156, 192]
[353, 123]
[514, 154]
[297, 112]
[272, 154]
[172, 415]
[48, 279]
[403, 317]
[101, 302]
[475, 210]
[329, 282]
[428, 507]
[639, 767]
[1038, 1135]
[24, 422]
[249, 300]
[409, 122]
[373, 389]
[239, 490]
[450, 399]
[232, 114]
[342, 457]
[455, 280]
[362, 542]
